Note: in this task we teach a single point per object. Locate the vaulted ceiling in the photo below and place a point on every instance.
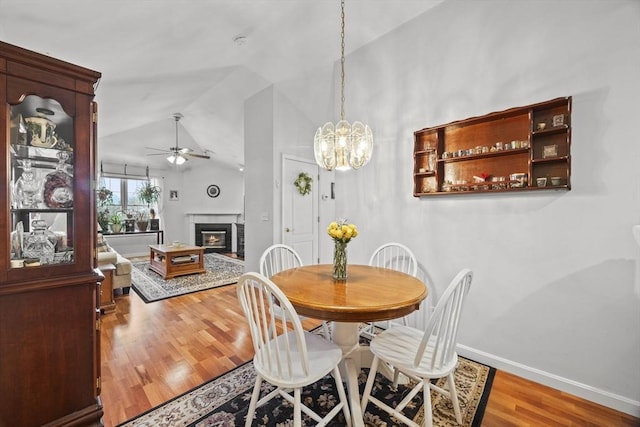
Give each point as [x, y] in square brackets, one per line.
[161, 57]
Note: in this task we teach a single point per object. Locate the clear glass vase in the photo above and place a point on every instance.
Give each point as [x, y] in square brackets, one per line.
[340, 261]
[38, 244]
[28, 189]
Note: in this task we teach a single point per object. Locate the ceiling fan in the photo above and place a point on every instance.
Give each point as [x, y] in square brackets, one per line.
[177, 155]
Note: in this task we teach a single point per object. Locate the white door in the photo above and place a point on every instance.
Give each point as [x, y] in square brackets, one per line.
[300, 212]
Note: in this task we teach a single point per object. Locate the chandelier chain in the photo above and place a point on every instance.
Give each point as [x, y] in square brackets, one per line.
[342, 66]
[342, 145]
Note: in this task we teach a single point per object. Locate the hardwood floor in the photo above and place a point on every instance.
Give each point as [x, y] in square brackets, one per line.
[154, 352]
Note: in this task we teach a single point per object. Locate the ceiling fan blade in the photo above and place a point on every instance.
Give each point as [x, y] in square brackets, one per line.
[177, 151]
[200, 156]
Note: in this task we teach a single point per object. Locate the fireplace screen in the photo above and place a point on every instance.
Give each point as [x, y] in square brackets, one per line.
[213, 237]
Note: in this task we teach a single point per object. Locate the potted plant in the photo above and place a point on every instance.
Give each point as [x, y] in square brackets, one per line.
[104, 198]
[115, 222]
[149, 193]
[142, 220]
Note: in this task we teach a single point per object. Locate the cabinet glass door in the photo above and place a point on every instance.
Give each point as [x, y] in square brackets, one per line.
[42, 186]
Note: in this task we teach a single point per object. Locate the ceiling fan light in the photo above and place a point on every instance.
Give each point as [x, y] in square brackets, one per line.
[176, 159]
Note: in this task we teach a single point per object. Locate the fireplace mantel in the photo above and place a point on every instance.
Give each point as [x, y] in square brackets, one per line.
[213, 213]
[232, 217]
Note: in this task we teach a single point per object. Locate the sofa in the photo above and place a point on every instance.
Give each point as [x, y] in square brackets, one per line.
[107, 255]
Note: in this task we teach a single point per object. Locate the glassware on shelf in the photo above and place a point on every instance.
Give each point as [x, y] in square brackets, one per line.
[17, 241]
[18, 130]
[431, 161]
[58, 185]
[28, 188]
[38, 244]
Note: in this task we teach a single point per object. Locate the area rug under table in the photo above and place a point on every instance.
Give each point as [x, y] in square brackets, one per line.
[150, 286]
[224, 401]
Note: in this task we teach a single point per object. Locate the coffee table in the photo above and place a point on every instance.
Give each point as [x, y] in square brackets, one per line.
[176, 260]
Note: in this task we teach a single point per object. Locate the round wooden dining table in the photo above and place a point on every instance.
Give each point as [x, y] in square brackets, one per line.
[369, 294]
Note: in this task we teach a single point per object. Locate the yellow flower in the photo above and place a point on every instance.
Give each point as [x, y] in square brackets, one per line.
[341, 231]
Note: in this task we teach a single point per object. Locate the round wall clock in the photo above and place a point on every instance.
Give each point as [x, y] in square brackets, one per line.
[213, 191]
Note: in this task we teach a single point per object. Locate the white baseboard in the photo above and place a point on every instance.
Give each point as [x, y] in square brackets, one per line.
[602, 397]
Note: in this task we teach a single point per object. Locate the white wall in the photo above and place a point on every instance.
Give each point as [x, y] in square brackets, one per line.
[555, 296]
[277, 122]
[194, 198]
[304, 104]
[259, 176]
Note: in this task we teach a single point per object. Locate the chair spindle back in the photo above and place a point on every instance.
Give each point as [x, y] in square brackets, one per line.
[441, 332]
[280, 351]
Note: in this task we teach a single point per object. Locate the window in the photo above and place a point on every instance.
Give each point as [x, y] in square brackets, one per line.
[125, 194]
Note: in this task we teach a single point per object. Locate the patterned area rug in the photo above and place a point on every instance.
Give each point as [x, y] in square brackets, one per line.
[221, 270]
[224, 401]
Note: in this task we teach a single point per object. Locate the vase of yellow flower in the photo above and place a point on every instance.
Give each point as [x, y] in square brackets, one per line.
[341, 233]
[340, 261]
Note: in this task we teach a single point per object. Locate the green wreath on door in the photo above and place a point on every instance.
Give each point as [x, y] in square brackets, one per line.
[303, 183]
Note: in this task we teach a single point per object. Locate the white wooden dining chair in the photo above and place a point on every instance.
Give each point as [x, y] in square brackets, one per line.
[422, 354]
[395, 256]
[286, 355]
[277, 258]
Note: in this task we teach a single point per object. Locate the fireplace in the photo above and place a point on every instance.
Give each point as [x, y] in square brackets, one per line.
[214, 237]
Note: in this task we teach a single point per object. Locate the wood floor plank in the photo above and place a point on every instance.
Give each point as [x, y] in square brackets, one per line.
[154, 352]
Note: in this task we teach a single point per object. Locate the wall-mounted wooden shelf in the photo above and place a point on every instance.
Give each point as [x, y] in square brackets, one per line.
[533, 141]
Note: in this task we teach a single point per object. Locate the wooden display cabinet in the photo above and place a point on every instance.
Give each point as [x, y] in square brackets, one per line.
[505, 151]
[49, 301]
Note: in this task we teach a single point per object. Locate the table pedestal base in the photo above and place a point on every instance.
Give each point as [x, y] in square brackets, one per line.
[345, 335]
[354, 357]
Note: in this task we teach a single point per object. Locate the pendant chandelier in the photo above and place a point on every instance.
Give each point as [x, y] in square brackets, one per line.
[343, 146]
